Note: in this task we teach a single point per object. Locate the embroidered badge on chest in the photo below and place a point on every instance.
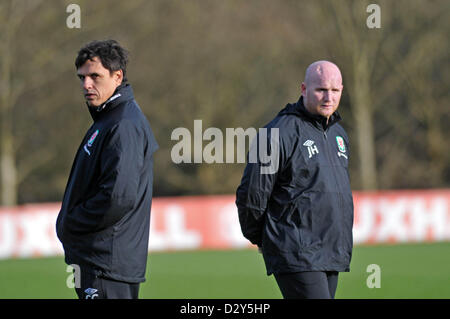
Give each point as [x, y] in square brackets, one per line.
[92, 138]
[341, 146]
[90, 142]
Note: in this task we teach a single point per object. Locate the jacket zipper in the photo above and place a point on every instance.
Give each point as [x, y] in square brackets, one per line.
[338, 193]
[329, 157]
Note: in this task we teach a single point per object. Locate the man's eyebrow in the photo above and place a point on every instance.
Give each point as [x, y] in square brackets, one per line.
[326, 89]
[89, 74]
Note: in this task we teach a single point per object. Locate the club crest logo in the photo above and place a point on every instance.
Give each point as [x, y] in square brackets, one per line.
[92, 138]
[341, 144]
[90, 142]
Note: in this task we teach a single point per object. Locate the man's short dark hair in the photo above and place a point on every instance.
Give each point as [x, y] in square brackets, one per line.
[112, 56]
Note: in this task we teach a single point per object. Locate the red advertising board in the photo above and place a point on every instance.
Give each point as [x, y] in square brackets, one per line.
[211, 222]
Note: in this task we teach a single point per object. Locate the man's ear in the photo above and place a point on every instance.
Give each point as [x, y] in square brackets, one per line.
[118, 76]
[303, 87]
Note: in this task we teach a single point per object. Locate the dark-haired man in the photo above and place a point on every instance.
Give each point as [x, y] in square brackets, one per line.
[105, 215]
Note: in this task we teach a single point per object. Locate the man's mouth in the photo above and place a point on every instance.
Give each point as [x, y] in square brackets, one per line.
[89, 96]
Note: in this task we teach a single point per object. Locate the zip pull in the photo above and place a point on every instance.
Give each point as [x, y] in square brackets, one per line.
[325, 134]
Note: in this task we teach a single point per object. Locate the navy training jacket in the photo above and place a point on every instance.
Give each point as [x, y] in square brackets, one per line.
[104, 220]
[302, 214]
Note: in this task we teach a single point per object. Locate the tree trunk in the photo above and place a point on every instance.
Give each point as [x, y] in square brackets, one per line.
[8, 173]
[362, 109]
[8, 170]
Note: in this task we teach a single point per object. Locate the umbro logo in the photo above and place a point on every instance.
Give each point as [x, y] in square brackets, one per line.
[91, 293]
[312, 149]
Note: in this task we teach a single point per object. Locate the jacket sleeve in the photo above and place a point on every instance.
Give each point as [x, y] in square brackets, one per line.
[255, 190]
[121, 162]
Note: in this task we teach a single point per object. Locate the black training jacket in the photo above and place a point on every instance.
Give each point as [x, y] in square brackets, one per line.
[301, 215]
[105, 215]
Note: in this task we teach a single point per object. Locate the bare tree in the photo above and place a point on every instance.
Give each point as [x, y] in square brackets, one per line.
[356, 46]
[12, 14]
[235, 66]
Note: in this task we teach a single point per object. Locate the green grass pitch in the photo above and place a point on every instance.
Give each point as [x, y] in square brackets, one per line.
[407, 271]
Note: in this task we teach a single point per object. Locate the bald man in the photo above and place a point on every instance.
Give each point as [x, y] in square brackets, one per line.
[301, 216]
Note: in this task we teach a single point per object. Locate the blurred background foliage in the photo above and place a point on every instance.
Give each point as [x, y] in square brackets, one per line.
[231, 64]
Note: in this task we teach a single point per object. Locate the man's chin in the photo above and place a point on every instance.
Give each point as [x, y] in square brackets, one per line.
[92, 104]
[326, 112]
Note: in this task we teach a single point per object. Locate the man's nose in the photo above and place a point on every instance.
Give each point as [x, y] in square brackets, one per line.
[87, 83]
[327, 95]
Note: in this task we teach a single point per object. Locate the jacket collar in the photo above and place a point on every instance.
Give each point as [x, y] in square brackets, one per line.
[319, 121]
[123, 93]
